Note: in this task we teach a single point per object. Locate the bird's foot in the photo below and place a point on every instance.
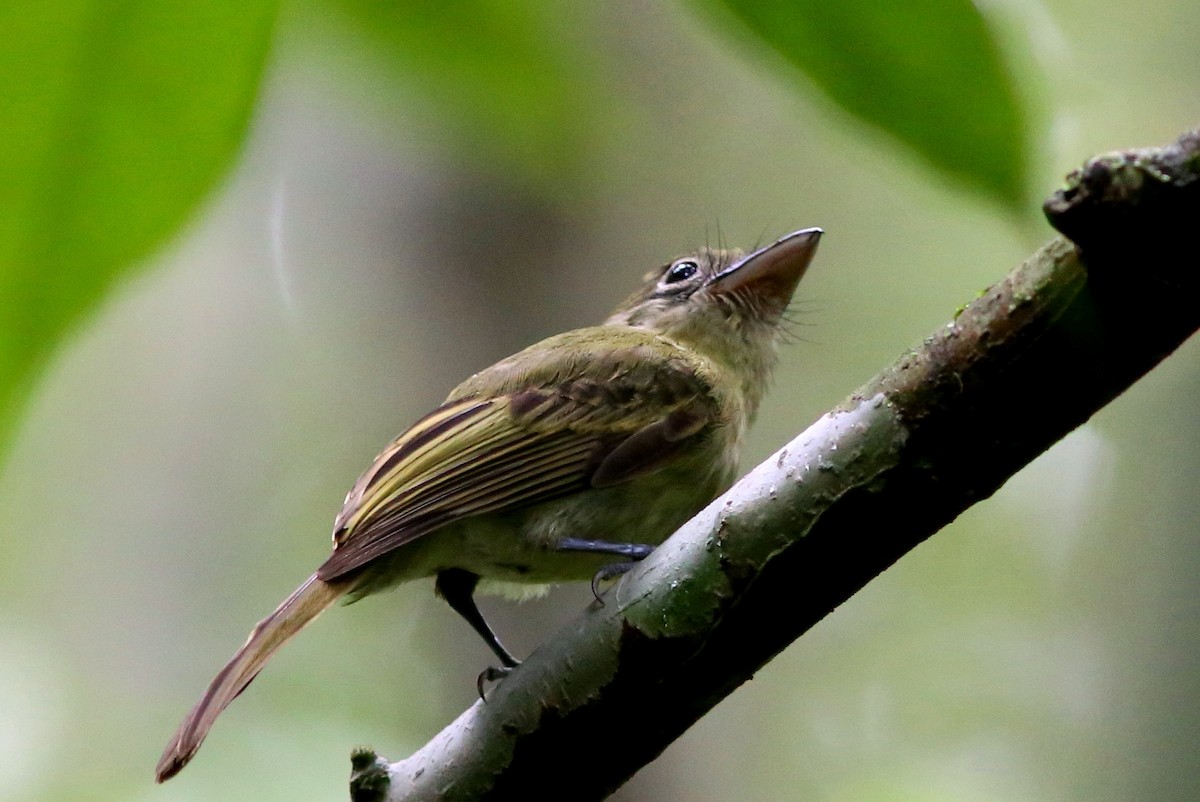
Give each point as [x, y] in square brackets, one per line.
[489, 675]
[607, 572]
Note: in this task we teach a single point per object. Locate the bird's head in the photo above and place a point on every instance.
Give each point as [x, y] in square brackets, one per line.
[727, 305]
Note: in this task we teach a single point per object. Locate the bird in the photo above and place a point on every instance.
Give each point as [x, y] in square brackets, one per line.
[567, 461]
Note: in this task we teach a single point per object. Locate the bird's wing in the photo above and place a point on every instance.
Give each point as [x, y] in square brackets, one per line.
[601, 420]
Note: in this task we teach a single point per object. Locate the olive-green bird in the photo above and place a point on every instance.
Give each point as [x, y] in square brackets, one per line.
[587, 448]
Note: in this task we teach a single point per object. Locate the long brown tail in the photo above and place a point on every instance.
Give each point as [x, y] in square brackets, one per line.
[306, 603]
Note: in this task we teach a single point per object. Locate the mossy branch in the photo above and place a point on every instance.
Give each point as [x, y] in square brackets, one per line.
[1016, 370]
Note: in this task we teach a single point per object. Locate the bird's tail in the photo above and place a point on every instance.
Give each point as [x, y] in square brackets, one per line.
[306, 603]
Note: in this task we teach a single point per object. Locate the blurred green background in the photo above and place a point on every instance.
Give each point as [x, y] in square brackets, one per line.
[243, 245]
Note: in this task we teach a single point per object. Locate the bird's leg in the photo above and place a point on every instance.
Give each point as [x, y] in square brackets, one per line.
[457, 587]
[635, 552]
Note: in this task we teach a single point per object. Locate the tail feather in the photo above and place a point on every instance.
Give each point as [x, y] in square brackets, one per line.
[306, 603]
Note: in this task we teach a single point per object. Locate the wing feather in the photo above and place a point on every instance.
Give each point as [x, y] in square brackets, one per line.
[483, 487]
[540, 437]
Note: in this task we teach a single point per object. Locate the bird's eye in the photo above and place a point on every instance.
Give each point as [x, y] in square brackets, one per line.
[680, 272]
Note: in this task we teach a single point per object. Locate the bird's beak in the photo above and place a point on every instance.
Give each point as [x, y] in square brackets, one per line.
[772, 272]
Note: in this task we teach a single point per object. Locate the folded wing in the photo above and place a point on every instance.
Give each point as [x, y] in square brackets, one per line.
[609, 421]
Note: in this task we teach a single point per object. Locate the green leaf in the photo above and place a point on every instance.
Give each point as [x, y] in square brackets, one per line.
[929, 72]
[117, 117]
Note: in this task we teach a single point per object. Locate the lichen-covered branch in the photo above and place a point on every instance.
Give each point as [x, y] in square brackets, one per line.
[942, 428]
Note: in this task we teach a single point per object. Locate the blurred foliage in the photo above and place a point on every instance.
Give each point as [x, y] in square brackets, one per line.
[929, 73]
[504, 76]
[118, 118]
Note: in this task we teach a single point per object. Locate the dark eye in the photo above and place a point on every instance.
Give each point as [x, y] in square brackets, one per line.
[680, 272]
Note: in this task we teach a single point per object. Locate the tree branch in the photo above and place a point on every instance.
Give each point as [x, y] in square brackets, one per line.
[945, 426]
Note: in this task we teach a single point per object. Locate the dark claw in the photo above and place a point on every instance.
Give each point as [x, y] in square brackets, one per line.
[608, 572]
[634, 552]
[491, 674]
